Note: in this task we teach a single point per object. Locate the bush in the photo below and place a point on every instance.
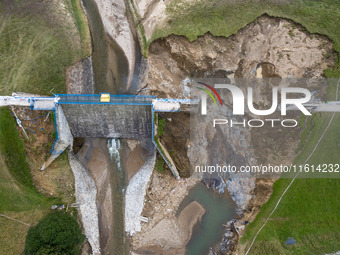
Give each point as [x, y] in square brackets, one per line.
[57, 233]
[159, 165]
[161, 125]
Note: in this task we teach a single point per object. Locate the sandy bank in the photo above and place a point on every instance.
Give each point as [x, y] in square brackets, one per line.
[86, 199]
[133, 160]
[172, 234]
[134, 197]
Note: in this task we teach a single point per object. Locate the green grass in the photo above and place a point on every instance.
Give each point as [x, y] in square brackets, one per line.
[34, 56]
[82, 26]
[17, 190]
[33, 59]
[309, 211]
[161, 125]
[302, 121]
[224, 18]
[35, 50]
[13, 149]
[144, 41]
[306, 131]
[159, 165]
[19, 198]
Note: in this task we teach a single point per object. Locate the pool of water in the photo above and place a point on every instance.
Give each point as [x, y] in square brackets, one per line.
[219, 209]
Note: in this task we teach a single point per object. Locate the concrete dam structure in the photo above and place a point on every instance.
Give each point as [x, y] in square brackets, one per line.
[106, 121]
[122, 117]
[118, 116]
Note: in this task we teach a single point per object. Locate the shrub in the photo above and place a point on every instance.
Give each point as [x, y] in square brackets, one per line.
[57, 233]
[160, 165]
[161, 124]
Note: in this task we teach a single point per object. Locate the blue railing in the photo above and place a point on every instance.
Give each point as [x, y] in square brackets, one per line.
[114, 99]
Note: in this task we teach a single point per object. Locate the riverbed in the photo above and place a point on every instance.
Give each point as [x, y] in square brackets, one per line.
[110, 64]
[219, 208]
[110, 68]
[110, 75]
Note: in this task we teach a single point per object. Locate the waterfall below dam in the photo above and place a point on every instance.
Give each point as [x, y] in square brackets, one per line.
[114, 145]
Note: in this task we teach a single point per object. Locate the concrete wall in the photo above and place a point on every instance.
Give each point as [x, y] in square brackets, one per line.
[109, 121]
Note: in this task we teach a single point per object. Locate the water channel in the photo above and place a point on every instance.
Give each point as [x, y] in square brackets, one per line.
[111, 71]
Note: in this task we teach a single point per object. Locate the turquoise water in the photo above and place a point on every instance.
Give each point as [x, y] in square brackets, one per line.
[218, 210]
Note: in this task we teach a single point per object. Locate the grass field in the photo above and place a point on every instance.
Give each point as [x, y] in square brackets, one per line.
[19, 198]
[35, 50]
[309, 211]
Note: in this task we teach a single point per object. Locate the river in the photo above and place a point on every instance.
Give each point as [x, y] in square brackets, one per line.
[110, 64]
[219, 208]
[110, 75]
[110, 68]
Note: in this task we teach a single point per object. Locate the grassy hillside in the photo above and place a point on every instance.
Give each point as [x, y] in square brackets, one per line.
[309, 211]
[19, 198]
[38, 41]
[224, 18]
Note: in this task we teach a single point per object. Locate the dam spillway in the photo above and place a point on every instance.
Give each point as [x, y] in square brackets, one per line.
[121, 117]
[107, 121]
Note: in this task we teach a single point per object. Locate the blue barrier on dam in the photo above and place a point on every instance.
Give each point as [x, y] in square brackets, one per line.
[114, 99]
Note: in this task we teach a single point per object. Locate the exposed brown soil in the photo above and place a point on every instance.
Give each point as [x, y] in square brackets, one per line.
[266, 48]
[57, 180]
[176, 138]
[262, 192]
[271, 48]
[283, 47]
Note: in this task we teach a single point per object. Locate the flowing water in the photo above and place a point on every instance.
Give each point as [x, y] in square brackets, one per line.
[120, 243]
[110, 75]
[110, 68]
[114, 146]
[219, 209]
[110, 64]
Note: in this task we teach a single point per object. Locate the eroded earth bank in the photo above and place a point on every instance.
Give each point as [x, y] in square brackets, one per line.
[266, 48]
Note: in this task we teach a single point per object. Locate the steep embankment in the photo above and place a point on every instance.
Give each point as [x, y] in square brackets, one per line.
[269, 48]
[281, 48]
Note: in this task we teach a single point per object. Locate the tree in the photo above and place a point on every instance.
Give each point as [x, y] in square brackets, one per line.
[57, 233]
